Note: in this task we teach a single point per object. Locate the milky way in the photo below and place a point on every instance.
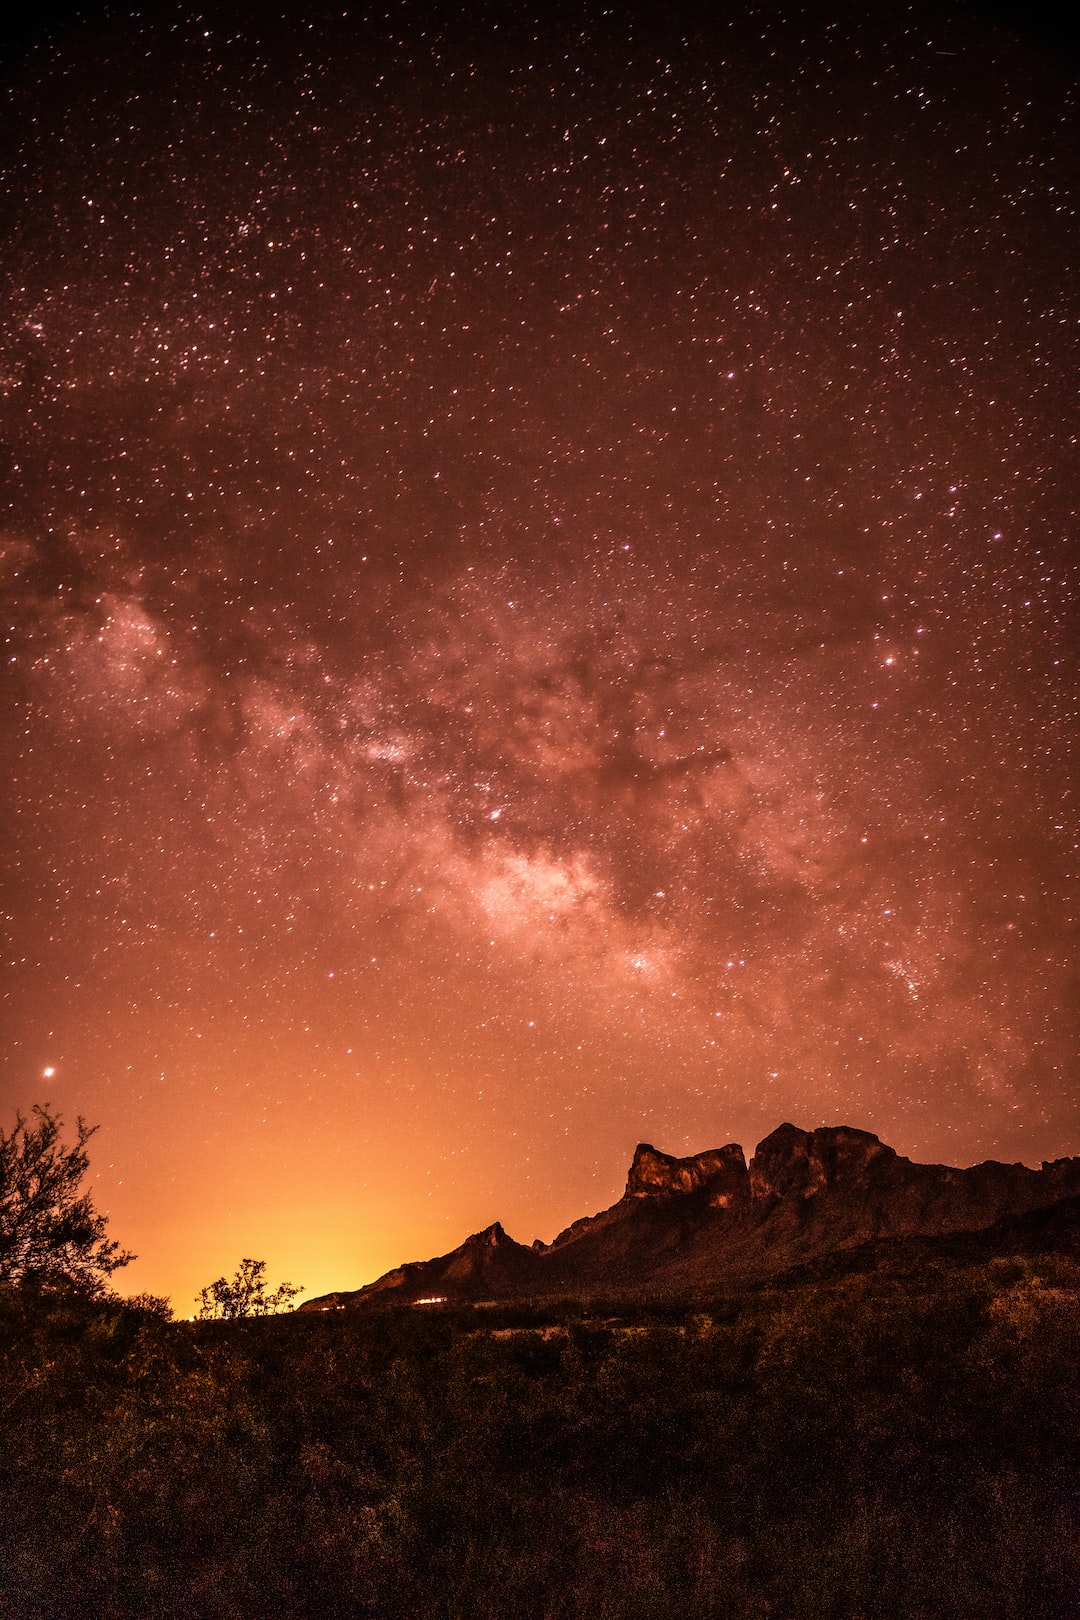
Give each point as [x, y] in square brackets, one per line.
[539, 563]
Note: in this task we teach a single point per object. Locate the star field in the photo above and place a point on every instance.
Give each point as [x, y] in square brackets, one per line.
[539, 578]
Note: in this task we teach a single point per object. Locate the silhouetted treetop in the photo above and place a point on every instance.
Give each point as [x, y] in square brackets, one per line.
[50, 1232]
[244, 1295]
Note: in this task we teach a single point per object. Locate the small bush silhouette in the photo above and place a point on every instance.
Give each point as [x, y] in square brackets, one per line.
[244, 1295]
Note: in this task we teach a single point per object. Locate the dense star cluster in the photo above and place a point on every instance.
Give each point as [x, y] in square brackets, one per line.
[538, 570]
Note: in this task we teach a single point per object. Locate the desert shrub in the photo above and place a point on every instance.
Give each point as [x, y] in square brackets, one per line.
[873, 1447]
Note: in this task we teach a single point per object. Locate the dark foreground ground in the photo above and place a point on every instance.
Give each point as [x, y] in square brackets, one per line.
[872, 1446]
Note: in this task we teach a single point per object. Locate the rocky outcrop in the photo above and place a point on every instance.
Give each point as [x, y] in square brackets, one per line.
[807, 1200]
[719, 1175]
[795, 1163]
[655, 1174]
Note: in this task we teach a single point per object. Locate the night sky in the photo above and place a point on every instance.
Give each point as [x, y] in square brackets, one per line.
[539, 584]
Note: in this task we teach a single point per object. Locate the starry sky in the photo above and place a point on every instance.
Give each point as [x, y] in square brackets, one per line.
[539, 586]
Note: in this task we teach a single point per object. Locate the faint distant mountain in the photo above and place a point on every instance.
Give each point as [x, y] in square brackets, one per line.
[809, 1202]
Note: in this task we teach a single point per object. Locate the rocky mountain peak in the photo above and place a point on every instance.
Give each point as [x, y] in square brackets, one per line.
[492, 1237]
[653, 1174]
[794, 1163]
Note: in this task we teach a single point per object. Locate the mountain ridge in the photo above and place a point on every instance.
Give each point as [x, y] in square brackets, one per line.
[685, 1225]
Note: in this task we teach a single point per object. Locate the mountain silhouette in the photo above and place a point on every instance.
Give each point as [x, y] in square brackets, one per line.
[808, 1202]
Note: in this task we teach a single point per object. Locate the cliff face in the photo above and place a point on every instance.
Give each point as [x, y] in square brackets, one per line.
[794, 1163]
[654, 1174]
[710, 1221]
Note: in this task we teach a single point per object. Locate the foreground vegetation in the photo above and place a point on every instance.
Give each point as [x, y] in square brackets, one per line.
[873, 1447]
